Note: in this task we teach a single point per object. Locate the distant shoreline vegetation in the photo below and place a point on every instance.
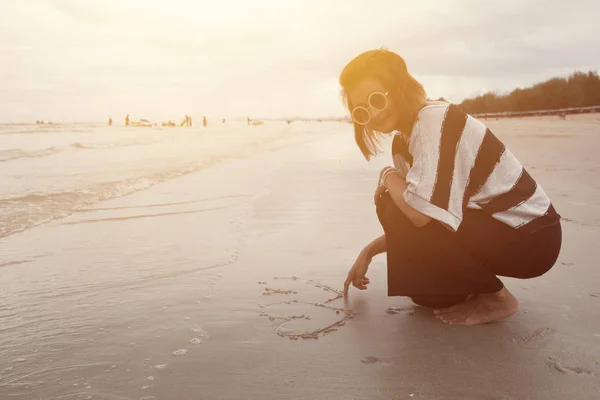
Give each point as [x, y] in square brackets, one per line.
[578, 90]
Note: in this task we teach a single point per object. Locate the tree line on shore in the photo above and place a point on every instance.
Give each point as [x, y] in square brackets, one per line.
[579, 89]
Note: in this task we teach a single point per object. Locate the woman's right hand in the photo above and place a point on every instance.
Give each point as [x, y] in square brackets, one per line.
[379, 191]
[380, 187]
[356, 275]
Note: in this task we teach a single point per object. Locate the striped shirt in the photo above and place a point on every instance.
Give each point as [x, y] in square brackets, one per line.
[453, 162]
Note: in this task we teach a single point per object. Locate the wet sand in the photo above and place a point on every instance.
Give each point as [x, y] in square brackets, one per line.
[224, 284]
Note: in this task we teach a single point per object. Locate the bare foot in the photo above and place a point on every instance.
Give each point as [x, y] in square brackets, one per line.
[479, 309]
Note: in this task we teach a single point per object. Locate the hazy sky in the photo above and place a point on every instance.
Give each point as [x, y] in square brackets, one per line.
[65, 60]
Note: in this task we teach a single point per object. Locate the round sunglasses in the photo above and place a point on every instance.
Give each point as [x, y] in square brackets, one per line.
[377, 101]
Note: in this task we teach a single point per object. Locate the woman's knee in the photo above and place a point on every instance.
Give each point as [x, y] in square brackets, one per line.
[544, 256]
[533, 272]
[381, 204]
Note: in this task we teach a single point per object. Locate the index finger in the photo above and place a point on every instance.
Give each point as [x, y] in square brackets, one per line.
[346, 286]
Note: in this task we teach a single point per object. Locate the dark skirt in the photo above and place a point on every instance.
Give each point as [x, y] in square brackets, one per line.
[437, 267]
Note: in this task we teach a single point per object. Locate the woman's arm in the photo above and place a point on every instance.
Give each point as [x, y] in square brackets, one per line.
[396, 186]
[377, 246]
[356, 275]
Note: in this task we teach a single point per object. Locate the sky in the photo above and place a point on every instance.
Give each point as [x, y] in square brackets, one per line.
[75, 60]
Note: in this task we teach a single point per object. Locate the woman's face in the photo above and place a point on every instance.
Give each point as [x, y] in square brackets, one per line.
[384, 121]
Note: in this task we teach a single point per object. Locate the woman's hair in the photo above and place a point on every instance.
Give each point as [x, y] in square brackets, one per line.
[390, 69]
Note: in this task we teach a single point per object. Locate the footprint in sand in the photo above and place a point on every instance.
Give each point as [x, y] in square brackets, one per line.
[302, 309]
[567, 264]
[537, 334]
[199, 334]
[560, 367]
[410, 311]
[211, 286]
[374, 360]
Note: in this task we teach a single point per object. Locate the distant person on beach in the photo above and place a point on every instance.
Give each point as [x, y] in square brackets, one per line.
[187, 121]
[204, 123]
[110, 121]
[127, 120]
[457, 208]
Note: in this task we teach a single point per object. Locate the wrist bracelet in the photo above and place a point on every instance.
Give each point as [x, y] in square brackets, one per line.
[383, 171]
[387, 172]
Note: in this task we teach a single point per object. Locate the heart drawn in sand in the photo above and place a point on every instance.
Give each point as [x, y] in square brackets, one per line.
[302, 309]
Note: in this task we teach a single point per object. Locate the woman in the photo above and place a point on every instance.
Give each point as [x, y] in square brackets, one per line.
[457, 208]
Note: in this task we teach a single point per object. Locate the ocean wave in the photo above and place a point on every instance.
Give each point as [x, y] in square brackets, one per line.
[82, 146]
[25, 212]
[113, 145]
[15, 154]
[33, 209]
[17, 262]
[13, 129]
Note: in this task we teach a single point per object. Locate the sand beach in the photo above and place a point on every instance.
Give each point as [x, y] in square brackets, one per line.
[208, 264]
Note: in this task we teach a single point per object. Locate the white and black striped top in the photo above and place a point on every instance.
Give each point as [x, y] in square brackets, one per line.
[453, 162]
